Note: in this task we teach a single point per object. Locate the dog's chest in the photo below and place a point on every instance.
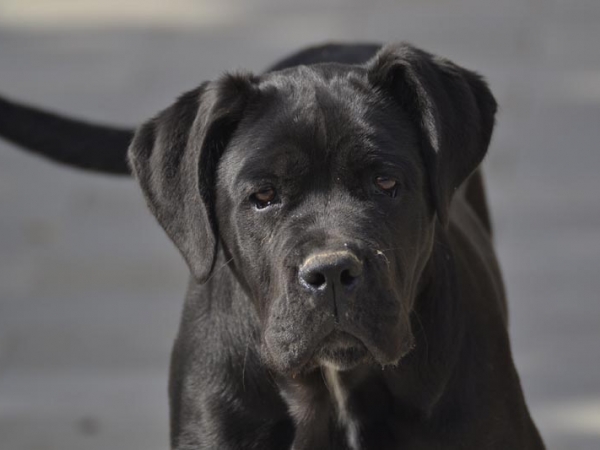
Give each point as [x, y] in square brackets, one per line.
[321, 414]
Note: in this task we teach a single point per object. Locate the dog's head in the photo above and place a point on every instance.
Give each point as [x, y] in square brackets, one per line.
[322, 184]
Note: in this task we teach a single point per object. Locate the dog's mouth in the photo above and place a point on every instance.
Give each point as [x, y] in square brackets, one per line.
[341, 351]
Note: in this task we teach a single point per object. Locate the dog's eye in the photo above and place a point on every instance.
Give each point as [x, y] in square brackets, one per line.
[387, 185]
[265, 197]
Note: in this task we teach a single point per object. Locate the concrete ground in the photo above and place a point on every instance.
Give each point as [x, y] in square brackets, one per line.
[91, 289]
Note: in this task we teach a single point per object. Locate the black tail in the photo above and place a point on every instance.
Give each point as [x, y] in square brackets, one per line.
[68, 141]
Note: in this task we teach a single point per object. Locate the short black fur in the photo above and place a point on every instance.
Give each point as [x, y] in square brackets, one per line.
[336, 316]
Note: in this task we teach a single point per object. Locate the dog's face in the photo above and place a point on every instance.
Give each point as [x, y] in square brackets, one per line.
[322, 201]
[322, 185]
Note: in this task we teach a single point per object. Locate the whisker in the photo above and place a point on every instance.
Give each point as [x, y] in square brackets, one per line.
[244, 368]
[423, 333]
[221, 267]
[391, 248]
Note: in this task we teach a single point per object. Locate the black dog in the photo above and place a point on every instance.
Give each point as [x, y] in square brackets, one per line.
[359, 305]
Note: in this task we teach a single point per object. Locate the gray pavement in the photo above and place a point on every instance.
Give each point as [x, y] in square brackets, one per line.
[91, 289]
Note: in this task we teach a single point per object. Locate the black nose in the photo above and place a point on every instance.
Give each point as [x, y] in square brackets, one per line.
[337, 269]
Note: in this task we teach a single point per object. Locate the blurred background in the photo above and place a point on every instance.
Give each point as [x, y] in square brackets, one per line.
[91, 289]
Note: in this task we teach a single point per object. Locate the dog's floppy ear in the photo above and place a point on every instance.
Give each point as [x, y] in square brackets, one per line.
[174, 157]
[452, 107]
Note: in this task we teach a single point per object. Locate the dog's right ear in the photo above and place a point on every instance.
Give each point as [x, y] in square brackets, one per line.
[174, 157]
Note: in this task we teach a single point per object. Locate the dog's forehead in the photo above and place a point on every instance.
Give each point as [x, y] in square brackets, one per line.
[306, 89]
[323, 114]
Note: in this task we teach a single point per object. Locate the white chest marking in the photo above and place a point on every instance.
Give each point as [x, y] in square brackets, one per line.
[340, 397]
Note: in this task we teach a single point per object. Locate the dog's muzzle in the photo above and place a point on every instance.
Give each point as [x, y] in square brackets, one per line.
[339, 310]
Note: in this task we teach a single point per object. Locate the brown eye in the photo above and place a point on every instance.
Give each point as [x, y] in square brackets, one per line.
[387, 185]
[264, 197]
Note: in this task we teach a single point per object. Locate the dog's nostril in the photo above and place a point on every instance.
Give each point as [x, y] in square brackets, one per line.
[347, 278]
[315, 279]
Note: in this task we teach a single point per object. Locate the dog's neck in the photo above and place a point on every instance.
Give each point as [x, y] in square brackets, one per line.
[318, 404]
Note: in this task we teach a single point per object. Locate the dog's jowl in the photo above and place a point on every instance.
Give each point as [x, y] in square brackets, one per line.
[344, 292]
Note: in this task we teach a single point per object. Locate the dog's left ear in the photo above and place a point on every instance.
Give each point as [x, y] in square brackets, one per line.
[174, 158]
[452, 107]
